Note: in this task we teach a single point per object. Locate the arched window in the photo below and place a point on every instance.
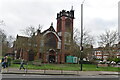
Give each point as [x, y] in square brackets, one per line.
[68, 25]
[50, 41]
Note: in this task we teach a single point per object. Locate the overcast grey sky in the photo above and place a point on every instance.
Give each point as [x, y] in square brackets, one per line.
[99, 15]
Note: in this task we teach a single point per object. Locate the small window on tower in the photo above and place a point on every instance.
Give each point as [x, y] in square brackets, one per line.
[68, 25]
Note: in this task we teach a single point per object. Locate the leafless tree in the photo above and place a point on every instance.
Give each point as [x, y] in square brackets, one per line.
[106, 41]
[2, 22]
[76, 36]
[2, 35]
[3, 42]
[30, 42]
[31, 30]
[10, 39]
[108, 38]
[87, 38]
[88, 42]
[28, 31]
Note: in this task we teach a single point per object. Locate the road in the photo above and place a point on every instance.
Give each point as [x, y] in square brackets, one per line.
[57, 77]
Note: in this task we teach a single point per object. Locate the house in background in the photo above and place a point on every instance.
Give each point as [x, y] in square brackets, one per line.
[105, 53]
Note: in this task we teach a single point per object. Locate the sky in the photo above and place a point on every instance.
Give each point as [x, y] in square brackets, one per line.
[98, 15]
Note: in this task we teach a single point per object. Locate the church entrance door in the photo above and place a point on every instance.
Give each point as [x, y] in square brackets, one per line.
[51, 56]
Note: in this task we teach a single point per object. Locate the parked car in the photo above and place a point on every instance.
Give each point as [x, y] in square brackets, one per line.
[102, 62]
[108, 62]
[118, 63]
[113, 62]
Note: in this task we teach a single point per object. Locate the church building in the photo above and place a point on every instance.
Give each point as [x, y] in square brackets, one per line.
[49, 46]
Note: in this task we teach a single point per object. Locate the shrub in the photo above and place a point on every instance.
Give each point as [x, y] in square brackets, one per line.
[37, 62]
[110, 59]
[102, 62]
[17, 61]
[9, 61]
[86, 62]
[116, 60]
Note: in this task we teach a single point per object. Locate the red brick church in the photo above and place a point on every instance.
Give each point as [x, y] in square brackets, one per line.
[50, 46]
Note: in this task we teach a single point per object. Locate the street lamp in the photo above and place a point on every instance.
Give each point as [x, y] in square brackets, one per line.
[81, 46]
[15, 54]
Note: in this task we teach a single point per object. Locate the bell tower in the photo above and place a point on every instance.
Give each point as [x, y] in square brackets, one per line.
[65, 30]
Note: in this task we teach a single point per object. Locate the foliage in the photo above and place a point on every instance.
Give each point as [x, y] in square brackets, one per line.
[9, 61]
[102, 62]
[110, 59]
[97, 59]
[116, 60]
[37, 62]
[17, 61]
[87, 62]
[5, 41]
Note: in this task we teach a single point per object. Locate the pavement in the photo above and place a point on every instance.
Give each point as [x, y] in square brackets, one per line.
[57, 72]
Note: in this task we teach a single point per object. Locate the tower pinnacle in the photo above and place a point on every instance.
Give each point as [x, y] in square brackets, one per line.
[51, 23]
[72, 7]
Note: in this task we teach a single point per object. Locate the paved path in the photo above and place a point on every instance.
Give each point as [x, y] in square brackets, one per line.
[54, 76]
[58, 72]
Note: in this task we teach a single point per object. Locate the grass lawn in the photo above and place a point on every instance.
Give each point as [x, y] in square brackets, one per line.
[72, 67]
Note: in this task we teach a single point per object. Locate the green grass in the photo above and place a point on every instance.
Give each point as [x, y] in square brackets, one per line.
[87, 67]
[72, 67]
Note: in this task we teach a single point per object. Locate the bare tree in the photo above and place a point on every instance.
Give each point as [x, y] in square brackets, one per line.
[2, 35]
[87, 39]
[29, 43]
[30, 30]
[76, 36]
[3, 42]
[40, 27]
[106, 41]
[88, 42]
[2, 22]
[10, 39]
[108, 38]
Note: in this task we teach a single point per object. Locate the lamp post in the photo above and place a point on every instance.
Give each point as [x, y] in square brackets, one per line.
[81, 41]
[15, 54]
